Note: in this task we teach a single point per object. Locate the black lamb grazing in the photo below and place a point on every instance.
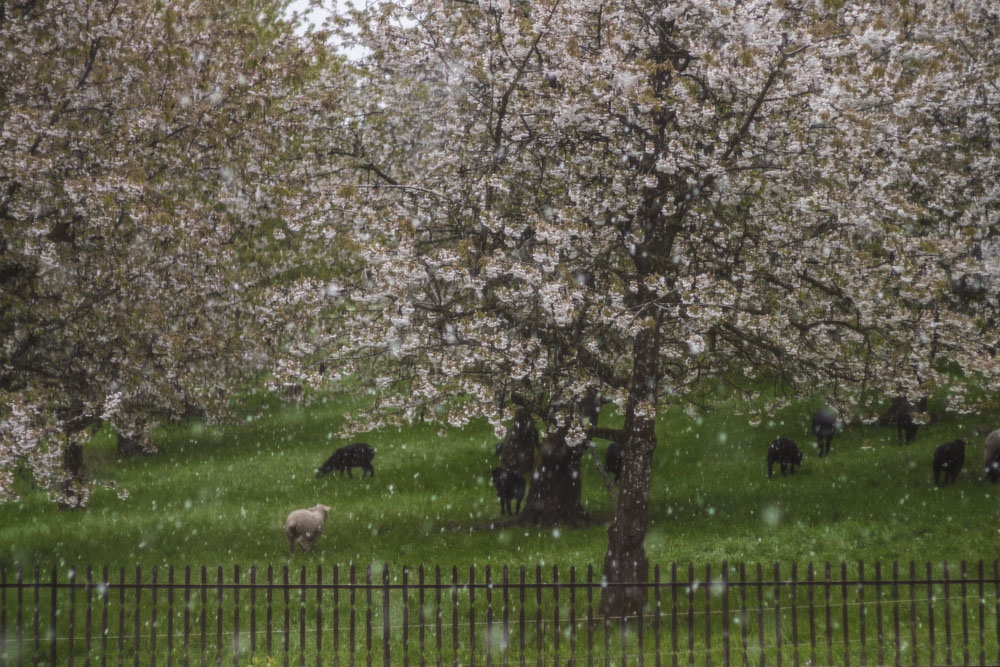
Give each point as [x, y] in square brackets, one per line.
[510, 486]
[949, 459]
[991, 457]
[785, 452]
[358, 455]
[824, 426]
[613, 460]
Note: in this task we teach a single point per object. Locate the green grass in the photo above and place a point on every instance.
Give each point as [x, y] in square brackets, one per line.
[219, 496]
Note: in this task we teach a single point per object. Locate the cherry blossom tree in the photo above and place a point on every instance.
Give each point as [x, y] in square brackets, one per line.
[156, 158]
[641, 200]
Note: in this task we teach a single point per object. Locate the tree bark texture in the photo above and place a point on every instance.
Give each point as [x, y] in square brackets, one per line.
[625, 561]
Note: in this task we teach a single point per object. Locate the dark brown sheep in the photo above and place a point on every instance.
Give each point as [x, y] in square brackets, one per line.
[784, 452]
[357, 455]
[949, 459]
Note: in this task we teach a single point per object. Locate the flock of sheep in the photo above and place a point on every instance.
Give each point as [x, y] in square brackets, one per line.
[949, 458]
[305, 525]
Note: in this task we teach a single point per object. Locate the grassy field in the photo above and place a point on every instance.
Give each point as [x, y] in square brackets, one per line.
[219, 496]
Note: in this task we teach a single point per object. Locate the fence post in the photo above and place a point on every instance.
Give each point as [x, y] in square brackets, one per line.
[153, 619]
[454, 614]
[708, 615]
[170, 614]
[506, 614]
[607, 631]
[285, 638]
[811, 578]
[72, 613]
[187, 614]
[659, 610]
[878, 612]
[760, 614]
[965, 617]
[420, 601]
[368, 615]
[690, 588]
[777, 614]
[572, 614]
[996, 598]
[844, 617]
[895, 612]
[520, 615]
[437, 619]
[489, 616]
[336, 616]
[826, 605]
[302, 615]
[89, 626]
[253, 612]
[268, 616]
[555, 602]
[406, 617]
[236, 615]
[472, 615]
[218, 616]
[947, 615]
[795, 614]
[590, 616]
[385, 613]
[982, 615]
[725, 614]
[861, 611]
[913, 611]
[930, 608]
[673, 613]
[52, 614]
[319, 616]
[744, 617]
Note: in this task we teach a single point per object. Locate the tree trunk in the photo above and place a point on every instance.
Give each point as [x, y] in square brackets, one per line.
[625, 561]
[129, 446]
[554, 497]
[73, 464]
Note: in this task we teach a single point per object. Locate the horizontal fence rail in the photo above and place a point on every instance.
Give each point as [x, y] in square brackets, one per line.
[851, 614]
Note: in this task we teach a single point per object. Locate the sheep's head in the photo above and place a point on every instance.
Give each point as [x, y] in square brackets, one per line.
[320, 509]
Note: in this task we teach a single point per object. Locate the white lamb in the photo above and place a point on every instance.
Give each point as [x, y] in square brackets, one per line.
[304, 526]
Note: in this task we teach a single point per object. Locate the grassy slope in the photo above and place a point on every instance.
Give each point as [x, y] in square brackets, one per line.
[220, 496]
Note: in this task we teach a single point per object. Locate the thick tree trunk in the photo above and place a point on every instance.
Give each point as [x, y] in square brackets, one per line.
[75, 476]
[129, 446]
[625, 561]
[554, 495]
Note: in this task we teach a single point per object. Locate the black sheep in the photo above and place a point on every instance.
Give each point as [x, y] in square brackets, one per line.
[905, 423]
[510, 486]
[613, 460]
[785, 452]
[949, 459]
[824, 426]
[358, 455]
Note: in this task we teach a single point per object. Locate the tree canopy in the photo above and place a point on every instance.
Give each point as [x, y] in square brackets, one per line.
[636, 198]
[153, 159]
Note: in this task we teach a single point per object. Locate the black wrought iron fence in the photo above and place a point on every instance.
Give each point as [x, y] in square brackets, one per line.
[851, 614]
